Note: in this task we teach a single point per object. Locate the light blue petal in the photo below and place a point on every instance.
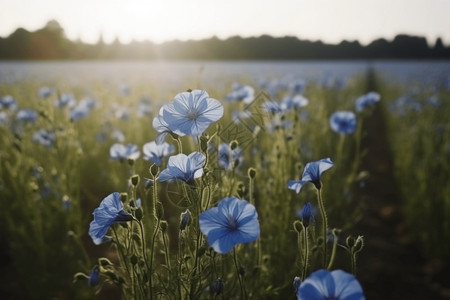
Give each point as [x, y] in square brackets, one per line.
[296, 185]
[347, 286]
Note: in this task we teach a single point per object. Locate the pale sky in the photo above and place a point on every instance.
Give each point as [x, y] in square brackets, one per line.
[163, 20]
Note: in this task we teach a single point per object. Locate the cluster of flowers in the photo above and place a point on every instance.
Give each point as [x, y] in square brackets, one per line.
[233, 221]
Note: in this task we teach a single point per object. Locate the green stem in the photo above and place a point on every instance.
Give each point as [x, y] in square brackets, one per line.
[151, 256]
[324, 225]
[305, 254]
[333, 250]
[241, 283]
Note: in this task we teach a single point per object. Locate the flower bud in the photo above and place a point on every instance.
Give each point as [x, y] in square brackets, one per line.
[234, 144]
[123, 197]
[298, 226]
[139, 213]
[135, 180]
[154, 170]
[251, 173]
[159, 210]
[164, 226]
[217, 286]
[94, 277]
[185, 219]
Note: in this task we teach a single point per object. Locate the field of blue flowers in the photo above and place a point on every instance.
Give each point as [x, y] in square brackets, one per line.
[213, 190]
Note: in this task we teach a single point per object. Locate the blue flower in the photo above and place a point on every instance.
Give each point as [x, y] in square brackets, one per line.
[27, 115]
[311, 173]
[244, 93]
[9, 102]
[272, 107]
[306, 214]
[44, 137]
[343, 122]
[65, 100]
[45, 92]
[182, 167]
[191, 113]
[232, 222]
[296, 101]
[82, 109]
[4, 118]
[337, 285]
[155, 153]
[229, 158]
[161, 127]
[367, 100]
[94, 277]
[122, 152]
[109, 212]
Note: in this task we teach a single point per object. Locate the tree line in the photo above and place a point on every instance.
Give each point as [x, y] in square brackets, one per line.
[50, 43]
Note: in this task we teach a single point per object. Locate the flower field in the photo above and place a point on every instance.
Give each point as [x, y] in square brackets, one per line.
[224, 185]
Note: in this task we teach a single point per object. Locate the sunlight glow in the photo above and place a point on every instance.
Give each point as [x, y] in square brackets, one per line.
[164, 20]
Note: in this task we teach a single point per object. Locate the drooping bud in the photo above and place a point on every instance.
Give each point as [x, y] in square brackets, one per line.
[104, 262]
[234, 144]
[217, 286]
[94, 277]
[251, 173]
[185, 219]
[123, 197]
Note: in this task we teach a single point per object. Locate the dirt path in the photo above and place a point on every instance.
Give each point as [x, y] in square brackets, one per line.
[390, 266]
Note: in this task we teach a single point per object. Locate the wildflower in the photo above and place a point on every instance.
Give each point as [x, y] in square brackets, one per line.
[228, 159]
[155, 153]
[94, 277]
[311, 173]
[4, 118]
[65, 100]
[290, 102]
[122, 152]
[367, 100]
[185, 219]
[343, 122]
[45, 92]
[182, 167]
[109, 212]
[297, 86]
[144, 108]
[118, 135]
[273, 107]
[324, 284]
[27, 115]
[232, 222]
[244, 93]
[44, 137]
[191, 113]
[161, 127]
[9, 102]
[306, 214]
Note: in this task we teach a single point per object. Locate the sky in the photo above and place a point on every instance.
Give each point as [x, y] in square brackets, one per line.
[163, 20]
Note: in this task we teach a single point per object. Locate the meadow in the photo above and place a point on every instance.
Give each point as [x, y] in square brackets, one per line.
[105, 193]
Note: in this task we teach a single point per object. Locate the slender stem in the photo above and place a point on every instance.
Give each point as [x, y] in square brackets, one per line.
[324, 226]
[151, 256]
[241, 284]
[333, 250]
[305, 254]
[353, 262]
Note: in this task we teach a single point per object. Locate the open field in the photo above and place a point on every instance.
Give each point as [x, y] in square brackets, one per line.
[380, 207]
